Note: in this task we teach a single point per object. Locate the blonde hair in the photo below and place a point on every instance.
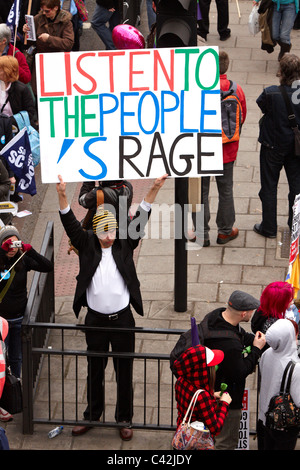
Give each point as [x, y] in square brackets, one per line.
[10, 67]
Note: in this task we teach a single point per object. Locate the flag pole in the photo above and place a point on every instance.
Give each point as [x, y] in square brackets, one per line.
[28, 13]
[16, 25]
[238, 8]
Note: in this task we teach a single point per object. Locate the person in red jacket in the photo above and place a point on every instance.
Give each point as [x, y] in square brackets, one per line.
[226, 212]
[6, 48]
[195, 369]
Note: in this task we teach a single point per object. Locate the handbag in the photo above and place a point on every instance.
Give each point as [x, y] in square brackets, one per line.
[292, 120]
[22, 120]
[282, 413]
[12, 397]
[82, 11]
[192, 436]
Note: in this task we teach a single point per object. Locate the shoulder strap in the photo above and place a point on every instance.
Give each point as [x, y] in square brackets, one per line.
[3, 292]
[288, 385]
[232, 89]
[191, 407]
[282, 386]
[22, 119]
[25, 118]
[4, 104]
[291, 115]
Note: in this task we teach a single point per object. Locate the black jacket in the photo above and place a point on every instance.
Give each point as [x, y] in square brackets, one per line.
[90, 254]
[275, 131]
[232, 340]
[20, 99]
[15, 300]
[236, 366]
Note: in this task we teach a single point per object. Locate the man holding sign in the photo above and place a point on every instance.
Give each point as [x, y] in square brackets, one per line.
[107, 284]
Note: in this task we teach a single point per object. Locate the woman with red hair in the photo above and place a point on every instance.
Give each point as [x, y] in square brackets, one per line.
[275, 300]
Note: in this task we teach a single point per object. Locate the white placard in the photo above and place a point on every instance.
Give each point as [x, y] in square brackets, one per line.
[243, 443]
[31, 36]
[129, 114]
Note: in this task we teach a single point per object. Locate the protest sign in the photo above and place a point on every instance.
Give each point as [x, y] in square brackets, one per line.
[128, 114]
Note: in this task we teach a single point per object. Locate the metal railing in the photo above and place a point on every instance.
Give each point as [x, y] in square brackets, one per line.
[40, 308]
[61, 388]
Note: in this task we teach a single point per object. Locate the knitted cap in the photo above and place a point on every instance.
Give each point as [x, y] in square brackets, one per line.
[104, 221]
[7, 232]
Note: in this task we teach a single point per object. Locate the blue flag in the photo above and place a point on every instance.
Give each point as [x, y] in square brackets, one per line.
[18, 155]
[13, 17]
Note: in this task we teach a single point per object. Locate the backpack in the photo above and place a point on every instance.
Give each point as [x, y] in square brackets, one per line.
[185, 340]
[282, 413]
[231, 114]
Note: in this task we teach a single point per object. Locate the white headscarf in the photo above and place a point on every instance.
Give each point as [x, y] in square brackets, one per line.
[282, 340]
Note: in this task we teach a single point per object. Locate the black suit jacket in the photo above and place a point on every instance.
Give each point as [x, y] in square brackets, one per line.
[90, 254]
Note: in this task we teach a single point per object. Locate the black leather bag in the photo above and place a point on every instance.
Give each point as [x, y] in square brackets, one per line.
[12, 397]
[283, 414]
[292, 120]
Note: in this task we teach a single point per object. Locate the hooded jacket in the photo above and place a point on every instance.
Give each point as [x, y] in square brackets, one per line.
[283, 348]
[193, 375]
[236, 366]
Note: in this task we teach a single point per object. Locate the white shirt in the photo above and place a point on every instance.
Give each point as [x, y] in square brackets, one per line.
[107, 292]
[3, 97]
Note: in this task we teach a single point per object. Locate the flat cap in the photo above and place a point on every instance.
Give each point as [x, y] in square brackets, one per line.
[241, 301]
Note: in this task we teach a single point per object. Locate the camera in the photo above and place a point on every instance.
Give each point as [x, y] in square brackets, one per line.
[16, 244]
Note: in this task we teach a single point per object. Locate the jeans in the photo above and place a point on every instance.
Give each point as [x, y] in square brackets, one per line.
[271, 164]
[150, 14]
[14, 346]
[100, 18]
[283, 22]
[226, 213]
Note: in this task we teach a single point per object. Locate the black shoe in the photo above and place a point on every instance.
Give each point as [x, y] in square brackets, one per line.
[257, 229]
[203, 35]
[225, 36]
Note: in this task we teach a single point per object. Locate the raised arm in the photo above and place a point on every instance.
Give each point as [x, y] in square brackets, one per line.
[153, 191]
[61, 191]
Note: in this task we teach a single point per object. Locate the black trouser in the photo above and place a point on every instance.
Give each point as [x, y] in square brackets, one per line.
[277, 440]
[99, 341]
[271, 164]
[223, 17]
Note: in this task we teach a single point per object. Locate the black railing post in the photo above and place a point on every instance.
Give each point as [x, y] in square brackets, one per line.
[180, 254]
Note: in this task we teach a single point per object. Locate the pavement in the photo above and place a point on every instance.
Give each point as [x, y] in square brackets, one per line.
[248, 263]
